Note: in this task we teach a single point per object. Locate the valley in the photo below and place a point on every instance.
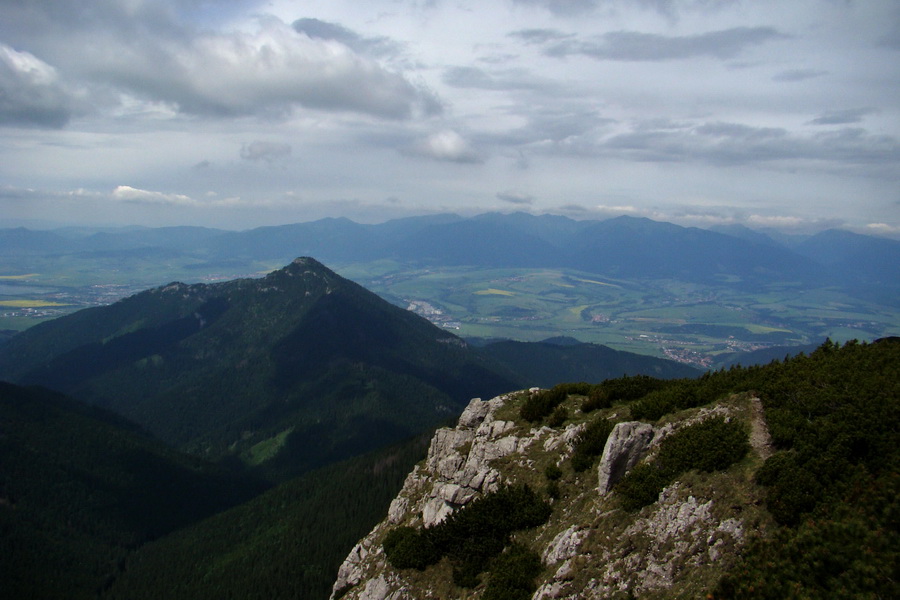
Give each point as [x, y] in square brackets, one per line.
[697, 324]
[696, 296]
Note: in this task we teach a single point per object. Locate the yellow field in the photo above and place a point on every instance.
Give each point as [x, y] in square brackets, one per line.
[27, 276]
[493, 292]
[576, 310]
[597, 282]
[30, 303]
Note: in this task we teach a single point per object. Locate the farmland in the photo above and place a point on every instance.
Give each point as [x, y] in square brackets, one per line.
[690, 322]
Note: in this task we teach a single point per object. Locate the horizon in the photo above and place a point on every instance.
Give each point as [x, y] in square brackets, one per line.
[806, 230]
[237, 115]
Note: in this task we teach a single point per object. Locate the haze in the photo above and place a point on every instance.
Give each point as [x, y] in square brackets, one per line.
[244, 113]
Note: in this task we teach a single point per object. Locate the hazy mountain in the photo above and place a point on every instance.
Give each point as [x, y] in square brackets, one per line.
[862, 258]
[629, 247]
[624, 247]
[80, 487]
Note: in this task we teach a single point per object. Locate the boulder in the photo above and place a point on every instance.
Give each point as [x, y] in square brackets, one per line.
[625, 446]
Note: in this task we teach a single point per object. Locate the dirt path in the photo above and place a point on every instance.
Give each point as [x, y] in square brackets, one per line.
[760, 439]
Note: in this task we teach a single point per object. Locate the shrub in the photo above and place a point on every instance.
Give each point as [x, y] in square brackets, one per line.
[641, 486]
[542, 403]
[512, 574]
[559, 416]
[552, 472]
[469, 537]
[711, 445]
[590, 444]
[408, 548]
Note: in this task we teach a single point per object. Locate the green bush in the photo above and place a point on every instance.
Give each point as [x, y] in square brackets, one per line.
[552, 472]
[622, 389]
[590, 444]
[559, 416]
[541, 404]
[711, 445]
[513, 573]
[641, 486]
[469, 537]
[408, 548]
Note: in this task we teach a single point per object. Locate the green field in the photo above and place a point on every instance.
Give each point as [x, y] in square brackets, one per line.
[691, 322]
[687, 321]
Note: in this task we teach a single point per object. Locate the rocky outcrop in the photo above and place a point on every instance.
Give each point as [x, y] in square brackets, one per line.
[625, 446]
[591, 548]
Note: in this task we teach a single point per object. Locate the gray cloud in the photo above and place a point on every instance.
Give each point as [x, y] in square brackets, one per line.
[475, 78]
[562, 7]
[842, 117]
[540, 36]
[735, 144]
[798, 75]
[142, 48]
[31, 93]
[637, 46]
[265, 151]
[516, 197]
[326, 30]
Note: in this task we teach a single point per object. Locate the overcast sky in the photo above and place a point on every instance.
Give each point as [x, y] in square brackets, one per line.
[242, 113]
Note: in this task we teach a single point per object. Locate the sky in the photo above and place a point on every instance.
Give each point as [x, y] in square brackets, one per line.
[242, 113]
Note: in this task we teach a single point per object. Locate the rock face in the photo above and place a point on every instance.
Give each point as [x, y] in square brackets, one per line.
[625, 446]
[591, 548]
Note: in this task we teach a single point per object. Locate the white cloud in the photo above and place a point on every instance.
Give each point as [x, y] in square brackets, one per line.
[447, 145]
[126, 193]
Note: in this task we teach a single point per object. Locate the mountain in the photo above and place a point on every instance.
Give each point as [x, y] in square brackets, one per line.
[777, 482]
[548, 363]
[865, 259]
[630, 247]
[80, 487]
[290, 371]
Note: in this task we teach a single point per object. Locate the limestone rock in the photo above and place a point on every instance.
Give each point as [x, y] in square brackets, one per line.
[625, 446]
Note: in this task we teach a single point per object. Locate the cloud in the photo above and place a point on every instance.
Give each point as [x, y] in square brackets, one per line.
[126, 193]
[842, 117]
[265, 151]
[883, 229]
[516, 197]
[270, 71]
[792, 75]
[637, 46]
[540, 35]
[446, 145]
[326, 30]
[31, 93]
[151, 50]
[562, 7]
[475, 78]
[736, 143]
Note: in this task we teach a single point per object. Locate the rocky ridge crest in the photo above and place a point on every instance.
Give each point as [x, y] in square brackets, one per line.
[590, 547]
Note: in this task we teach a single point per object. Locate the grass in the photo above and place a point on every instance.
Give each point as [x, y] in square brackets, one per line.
[18, 277]
[494, 292]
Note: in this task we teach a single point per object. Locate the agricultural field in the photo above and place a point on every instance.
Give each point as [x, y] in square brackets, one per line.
[693, 323]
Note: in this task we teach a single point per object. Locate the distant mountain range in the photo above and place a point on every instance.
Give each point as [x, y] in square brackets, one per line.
[620, 247]
[287, 372]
